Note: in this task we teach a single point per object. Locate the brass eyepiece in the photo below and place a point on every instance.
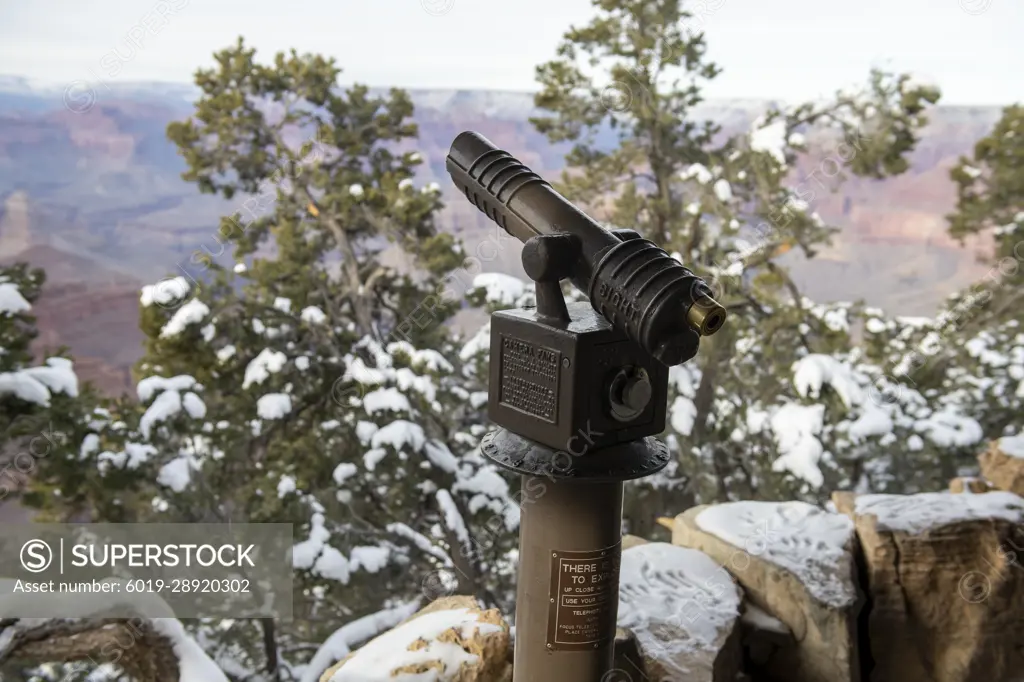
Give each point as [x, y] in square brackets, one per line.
[706, 315]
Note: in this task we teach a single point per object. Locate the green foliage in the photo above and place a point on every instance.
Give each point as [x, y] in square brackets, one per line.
[723, 206]
[287, 383]
[42, 407]
[990, 200]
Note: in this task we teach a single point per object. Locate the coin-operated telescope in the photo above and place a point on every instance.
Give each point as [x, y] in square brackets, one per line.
[578, 392]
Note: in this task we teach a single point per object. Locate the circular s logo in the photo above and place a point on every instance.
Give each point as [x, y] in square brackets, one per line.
[36, 556]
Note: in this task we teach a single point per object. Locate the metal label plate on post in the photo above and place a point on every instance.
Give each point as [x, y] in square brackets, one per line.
[529, 378]
[583, 599]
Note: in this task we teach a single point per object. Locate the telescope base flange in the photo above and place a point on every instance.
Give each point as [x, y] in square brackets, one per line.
[622, 462]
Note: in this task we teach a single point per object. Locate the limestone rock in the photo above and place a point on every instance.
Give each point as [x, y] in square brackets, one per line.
[632, 541]
[796, 562]
[451, 640]
[682, 610]
[763, 635]
[1003, 464]
[628, 663]
[970, 484]
[946, 584]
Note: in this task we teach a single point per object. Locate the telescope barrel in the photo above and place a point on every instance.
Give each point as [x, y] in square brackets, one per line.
[633, 283]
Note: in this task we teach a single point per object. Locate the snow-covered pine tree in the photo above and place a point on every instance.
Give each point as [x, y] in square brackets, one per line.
[41, 405]
[972, 354]
[728, 207]
[43, 411]
[301, 377]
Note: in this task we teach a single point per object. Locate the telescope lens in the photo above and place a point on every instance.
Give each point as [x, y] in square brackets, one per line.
[705, 315]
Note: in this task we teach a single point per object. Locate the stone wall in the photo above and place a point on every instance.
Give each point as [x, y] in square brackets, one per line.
[875, 588]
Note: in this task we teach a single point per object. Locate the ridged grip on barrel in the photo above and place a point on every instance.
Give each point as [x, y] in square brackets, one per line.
[521, 202]
[638, 287]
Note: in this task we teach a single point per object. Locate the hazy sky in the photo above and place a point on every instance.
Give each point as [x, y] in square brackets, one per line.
[787, 49]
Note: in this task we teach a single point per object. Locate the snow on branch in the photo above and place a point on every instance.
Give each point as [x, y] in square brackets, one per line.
[340, 644]
[37, 384]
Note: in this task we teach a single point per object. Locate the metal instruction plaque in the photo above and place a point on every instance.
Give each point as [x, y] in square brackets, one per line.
[529, 378]
[583, 599]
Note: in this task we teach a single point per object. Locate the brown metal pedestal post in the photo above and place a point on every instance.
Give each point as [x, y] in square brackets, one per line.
[567, 596]
[570, 544]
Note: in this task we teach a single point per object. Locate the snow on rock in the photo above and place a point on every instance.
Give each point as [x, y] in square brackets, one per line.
[500, 289]
[807, 541]
[342, 641]
[927, 511]
[262, 366]
[11, 300]
[1012, 445]
[759, 619]
[194, 665]
[417, 645]
[274, 405]
[769, 139]
[193, 312]
[680, 605]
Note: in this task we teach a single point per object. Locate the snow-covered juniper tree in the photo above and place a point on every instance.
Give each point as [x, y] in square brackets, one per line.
[728, 207]
[43, 412]
[972, 354]
[286, 383]
[41, 405]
